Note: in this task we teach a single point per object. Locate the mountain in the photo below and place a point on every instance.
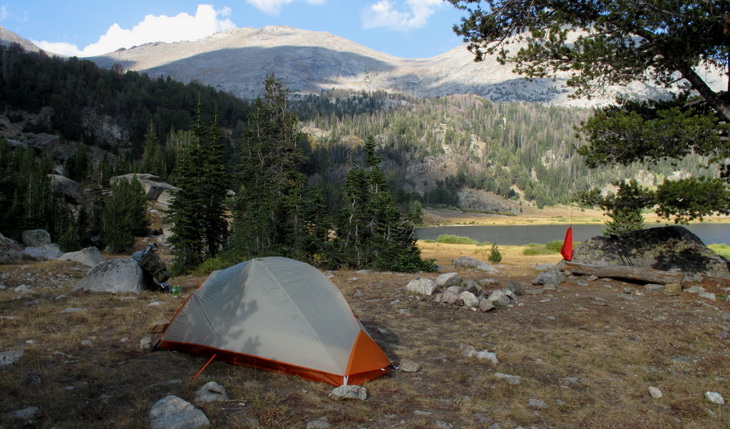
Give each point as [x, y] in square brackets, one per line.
[238, 60]
[7, 38]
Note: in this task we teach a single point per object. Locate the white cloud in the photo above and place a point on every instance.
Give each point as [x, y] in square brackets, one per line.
[152, 29]
[410, 15]
[273, 7]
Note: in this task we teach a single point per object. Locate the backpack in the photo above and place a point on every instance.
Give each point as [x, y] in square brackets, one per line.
[152, 264]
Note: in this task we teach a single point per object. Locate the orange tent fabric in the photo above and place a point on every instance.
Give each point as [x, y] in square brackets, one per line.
[277, 314]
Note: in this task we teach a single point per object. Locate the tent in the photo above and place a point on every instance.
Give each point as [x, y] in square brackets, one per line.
[277, 314]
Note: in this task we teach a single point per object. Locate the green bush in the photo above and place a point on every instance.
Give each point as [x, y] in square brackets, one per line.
[455, 239]
[212, 264]
[721, 249]
[494, 254]
[555, 246]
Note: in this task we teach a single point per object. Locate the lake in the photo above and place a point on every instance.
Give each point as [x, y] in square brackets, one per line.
[515, 235]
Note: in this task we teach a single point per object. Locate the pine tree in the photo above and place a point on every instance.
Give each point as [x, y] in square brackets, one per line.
[152, 159]
[198, 209]
[372, 233]
[268, 210]
[125, 215]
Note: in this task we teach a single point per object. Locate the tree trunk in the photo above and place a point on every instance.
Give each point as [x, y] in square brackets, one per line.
[623, 272]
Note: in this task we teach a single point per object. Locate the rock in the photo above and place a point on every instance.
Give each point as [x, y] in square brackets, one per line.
[653, 287]
[486, 305]
[536, 404]
[715, 398]
[89, 256]
[172, 412]
[515, 288]
[349, 392]
[36, 238]
[673, 289]
[552, 277]
[26, 414]
[211, 392]
[448, 279]
[43, 253]
[655, 392]
[116, 276]
[422, 286]
[407, 365]
[707, 295]
[469, 262]
[66, 188]
[10, 250]
[450, 295]
[469, 299]
[499, 297]
[511, 379]
[666, 248]
[147, 344]
[9, 357]
[318, 424]
[470, 351]
[153, 185]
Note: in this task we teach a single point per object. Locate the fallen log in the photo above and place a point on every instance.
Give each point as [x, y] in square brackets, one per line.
[648, 275]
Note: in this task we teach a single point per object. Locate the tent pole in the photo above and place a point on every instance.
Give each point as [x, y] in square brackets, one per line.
[204, 366]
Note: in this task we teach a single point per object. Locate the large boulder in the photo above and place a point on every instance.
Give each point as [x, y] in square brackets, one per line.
[66, 188]
[36, 237]
[469, 262]
[116, 276]
[10, 250]
[670, 248]
[89, 256]
[153, 185]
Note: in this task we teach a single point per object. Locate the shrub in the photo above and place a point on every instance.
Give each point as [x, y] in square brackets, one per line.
[494, 254]
[455, 239]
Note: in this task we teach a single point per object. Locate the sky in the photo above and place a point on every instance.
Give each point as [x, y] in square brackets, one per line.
[404, 28]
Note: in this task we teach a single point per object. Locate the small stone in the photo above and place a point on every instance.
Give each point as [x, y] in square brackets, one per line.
[655, 392]
[211, 392]
[537, 404]
[26, 414]
[147, 344]
[407, 365]
[349, 392]
[715, 398]
[707, 295]
[672, 289]
[9, 357]
[511, 379]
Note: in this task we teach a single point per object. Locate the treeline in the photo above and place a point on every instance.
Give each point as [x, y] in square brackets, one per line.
[77, 90]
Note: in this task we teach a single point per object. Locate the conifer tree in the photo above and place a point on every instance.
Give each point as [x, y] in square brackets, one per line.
[268, 210]
[125, 215]
[372, 232]
[152, 159]
[198, 209]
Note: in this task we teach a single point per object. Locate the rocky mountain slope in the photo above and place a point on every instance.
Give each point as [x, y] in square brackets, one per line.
[238, 60]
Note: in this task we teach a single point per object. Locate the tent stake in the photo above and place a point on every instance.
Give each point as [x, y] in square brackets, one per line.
[204, 366]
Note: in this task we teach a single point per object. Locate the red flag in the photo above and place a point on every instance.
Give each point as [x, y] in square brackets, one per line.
[567, 250]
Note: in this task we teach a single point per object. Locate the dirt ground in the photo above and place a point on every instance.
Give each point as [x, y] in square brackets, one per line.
[585, 354]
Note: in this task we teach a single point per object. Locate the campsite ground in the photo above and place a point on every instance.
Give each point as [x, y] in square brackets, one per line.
[585, 354]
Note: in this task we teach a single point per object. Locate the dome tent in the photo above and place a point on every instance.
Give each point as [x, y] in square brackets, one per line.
[277, 314]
